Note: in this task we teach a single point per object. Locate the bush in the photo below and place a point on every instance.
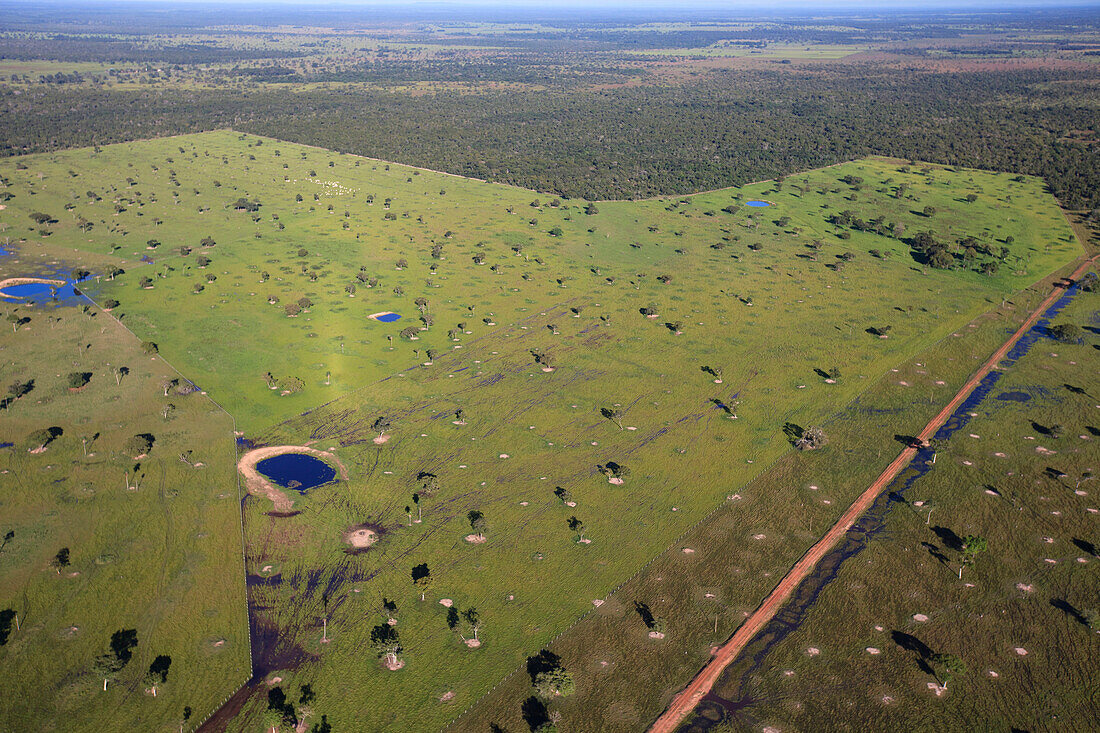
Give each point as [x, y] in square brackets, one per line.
[77, 380]
[1067, 333]
[139, 444]
[554, 682]
[812, 438]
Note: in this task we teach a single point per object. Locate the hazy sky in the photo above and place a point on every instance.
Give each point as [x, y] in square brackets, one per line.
[757, 6]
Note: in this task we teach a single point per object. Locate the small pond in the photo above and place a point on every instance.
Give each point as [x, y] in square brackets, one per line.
[296, 471]
[387, 317]
[1014, 396]
[757, 204]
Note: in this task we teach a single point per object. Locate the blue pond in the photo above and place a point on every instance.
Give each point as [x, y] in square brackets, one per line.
[1014, 396]
[757, 204]
[388, 317]
[296, 471]
[44, 292]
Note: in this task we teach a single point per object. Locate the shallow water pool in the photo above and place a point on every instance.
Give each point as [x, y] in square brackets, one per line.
[296, 471]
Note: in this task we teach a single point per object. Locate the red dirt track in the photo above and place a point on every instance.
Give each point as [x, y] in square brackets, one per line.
[686, 700]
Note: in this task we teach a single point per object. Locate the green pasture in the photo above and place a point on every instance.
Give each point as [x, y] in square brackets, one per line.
[707, 581]
[1019, 617]
[154, 542]
[751, 298]
[633, 242]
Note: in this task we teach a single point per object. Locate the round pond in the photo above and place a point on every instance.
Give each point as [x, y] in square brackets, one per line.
[296, 471]
[757, 204]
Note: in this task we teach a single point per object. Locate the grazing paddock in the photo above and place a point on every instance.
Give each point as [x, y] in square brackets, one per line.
[649, 359]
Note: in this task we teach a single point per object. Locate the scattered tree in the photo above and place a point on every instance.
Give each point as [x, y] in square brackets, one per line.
[972, 546]
[157, 674]
[422, 578]
[386, 641]
[577, 526]
[121, 651]
[473, 619]
[60, 561]
[811, 439]
[554, 682]
[947, 667]
[477, 522]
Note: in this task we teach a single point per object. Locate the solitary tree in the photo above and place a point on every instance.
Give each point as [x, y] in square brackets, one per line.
[381, 425]
[473, 619]
[812, 438]
[614, 414]
[553, 682]
[385, 640]
[419, 510]
[577, 526]
[477, 522]
[60, 561]
[947, 667]
[972, 546]
[121, 651]
[422, 578]
[42, 438]
[157, 674]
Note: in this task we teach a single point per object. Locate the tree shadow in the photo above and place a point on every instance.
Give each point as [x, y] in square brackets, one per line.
[1066, 608]
[642, 610]
[910, 643]
[1086, 546]
[909, 441]
[721, 405]
[534, 713]
[793, 432]
[934, 551]
[949, 538]
[544, 661]
[1076, 390]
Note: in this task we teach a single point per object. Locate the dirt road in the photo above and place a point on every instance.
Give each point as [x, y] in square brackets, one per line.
[689, 697]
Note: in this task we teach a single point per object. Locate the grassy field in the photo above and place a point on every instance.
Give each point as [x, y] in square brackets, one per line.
[774, 300]
[1019, 618]
[715, 574]
[154, 544]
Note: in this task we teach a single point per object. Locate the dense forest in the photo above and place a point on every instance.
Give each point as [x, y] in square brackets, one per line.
[579, 106]
[731, 127]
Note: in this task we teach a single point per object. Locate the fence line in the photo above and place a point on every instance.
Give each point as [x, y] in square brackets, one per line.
[1023, 292]
[240, 508]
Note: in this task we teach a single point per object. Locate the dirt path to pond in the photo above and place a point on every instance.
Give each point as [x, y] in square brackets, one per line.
[687, 699]
[258, 484]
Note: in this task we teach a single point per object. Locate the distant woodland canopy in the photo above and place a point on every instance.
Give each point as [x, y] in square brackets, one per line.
[731, 127]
